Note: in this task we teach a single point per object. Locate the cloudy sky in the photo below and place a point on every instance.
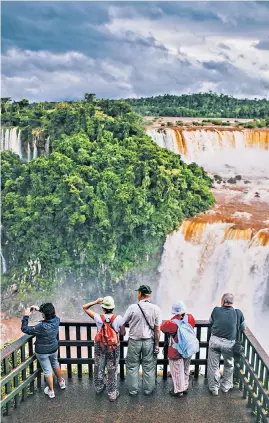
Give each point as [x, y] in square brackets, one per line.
[60, 50]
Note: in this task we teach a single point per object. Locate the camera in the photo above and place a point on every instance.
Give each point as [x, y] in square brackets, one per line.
[34, 308]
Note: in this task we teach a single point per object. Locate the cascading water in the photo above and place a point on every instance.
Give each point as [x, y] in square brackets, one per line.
[35, 149]
[28, 152]
[47, 147]
[11, 140]
[4, 265]
[227, 248]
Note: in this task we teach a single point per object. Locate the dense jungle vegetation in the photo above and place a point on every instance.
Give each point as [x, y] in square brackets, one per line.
[201, 105]
[99, 205]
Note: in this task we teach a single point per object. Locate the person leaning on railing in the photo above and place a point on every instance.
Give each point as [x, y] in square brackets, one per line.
[179, 366]
[46, 345]
[106, 345]
[226, 323]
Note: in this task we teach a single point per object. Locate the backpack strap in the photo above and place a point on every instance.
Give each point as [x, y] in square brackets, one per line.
[237, 323]
[103, 318]
[113, 317]
[145, 318]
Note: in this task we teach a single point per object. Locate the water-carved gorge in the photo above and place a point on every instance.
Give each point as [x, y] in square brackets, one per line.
[227, 247]
[223, 249]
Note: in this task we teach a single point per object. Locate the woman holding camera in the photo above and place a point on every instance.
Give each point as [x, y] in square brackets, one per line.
[46, 345]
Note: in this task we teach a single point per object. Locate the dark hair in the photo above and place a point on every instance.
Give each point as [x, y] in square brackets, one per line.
[106, 310]
[47, 309]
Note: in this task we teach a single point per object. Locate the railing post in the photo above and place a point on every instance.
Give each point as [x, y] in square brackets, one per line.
[68, 351]
[79, 366]
[89, 338]
[165, 357]
[197, 355]
[122, 357]
[208, 335]
[8, 386]
[16, 378]
[31, 367]
[23, 373]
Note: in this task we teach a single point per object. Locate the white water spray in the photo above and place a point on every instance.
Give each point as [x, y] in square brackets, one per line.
[206, 258]
[4, 265]
[35, 149]
[11, 140]
[47, 147]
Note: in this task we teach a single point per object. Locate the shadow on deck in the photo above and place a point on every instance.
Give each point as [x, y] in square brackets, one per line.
[79, 403]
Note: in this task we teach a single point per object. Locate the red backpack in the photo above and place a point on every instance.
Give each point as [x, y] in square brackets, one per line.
[107, 336]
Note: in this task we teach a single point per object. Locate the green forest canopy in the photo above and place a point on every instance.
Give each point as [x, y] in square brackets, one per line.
[100, 205]
[201, 105]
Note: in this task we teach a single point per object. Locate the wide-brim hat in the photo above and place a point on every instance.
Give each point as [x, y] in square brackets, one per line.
[108, 303]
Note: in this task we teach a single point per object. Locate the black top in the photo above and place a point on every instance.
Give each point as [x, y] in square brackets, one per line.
[46, 333]
[224, 321]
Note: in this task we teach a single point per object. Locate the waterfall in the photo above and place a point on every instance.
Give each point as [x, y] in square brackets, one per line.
[4, 265]
[28, 152]
[11, 140]
[6, 142]
[200, 263]
[215, 148]
[47, 147]
[19, 151]
[2, 141]
[227, 248]
[35, 149]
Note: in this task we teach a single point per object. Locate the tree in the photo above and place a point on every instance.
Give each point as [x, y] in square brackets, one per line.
[23, 103]
[102, 202]
[90, 98]
[5, 101]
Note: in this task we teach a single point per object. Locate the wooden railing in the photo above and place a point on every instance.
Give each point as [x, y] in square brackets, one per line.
[74, 353]
[253, 371]
[21, 373]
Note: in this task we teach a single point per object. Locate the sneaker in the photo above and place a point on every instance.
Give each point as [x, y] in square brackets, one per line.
[225, 390]
[186, 392]
[102, 390]
[62, 384]
[47, 391]
[115, 399]
[133, 394]
[176, 394]
[215, 393]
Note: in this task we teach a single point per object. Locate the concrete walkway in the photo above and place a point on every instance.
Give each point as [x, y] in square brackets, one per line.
[79, 404]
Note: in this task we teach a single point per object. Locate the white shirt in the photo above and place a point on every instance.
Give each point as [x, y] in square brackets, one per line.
[118, 322]
[139, 329]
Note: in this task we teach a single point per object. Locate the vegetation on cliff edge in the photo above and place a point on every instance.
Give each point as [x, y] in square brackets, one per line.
[100, 205]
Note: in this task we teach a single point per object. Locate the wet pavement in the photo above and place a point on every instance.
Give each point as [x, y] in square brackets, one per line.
[79, 403]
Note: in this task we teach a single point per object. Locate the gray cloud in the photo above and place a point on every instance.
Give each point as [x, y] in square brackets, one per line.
[262, 45]
[224, 46]
[61, 50]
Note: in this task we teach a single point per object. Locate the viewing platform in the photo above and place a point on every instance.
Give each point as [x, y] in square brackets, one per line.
[23, 399]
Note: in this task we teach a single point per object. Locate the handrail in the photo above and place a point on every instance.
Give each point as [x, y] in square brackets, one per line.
[257, 347]
[5, 352]
[252, 371]
[21, 372]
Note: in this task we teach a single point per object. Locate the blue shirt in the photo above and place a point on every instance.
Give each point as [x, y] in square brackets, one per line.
[46, 333]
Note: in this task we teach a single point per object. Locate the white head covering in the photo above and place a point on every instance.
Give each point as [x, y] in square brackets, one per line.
[178, 308]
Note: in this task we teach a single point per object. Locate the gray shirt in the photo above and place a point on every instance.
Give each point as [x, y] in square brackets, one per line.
[139, 329]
